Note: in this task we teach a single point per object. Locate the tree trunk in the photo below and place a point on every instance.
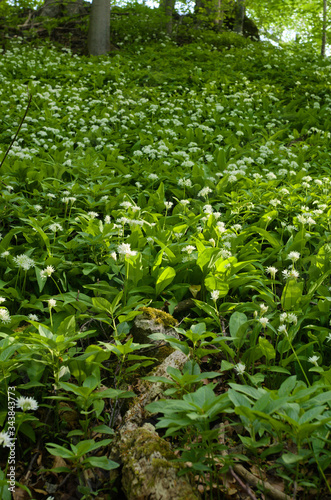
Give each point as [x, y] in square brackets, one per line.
[324, 28]
[99, 28]
[167, 8]
[209, 11]
[239, 19]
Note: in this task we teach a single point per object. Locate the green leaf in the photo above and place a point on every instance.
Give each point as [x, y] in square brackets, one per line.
[238, 327]
[102, 304]
[164, 279]
[267, 349]
[215, 283]
[101, 462]
[59, 451]
[266, 235]
[291, 295]
[103, 429]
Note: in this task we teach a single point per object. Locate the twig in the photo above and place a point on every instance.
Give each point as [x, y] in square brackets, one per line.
[26, 22]
[255, 481]
[18, 130]
[244, 486]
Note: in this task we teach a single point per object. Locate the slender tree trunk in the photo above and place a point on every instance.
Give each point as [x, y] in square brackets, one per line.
[220, 14]
[167, 9]
[324, 28]
[239, 19]
[210, 11]
[98, 42]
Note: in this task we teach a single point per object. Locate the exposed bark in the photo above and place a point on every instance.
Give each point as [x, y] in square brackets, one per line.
[99, 28]
[147, 470]
[324, 28]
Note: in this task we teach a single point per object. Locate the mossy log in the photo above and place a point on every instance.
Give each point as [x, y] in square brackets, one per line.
[147, 469]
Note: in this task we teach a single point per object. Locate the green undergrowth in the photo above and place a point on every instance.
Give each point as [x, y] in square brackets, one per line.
[142, 179]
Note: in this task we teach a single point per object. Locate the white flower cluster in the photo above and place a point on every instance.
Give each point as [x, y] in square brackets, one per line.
[45, 273]
[24, 262]
[4, 315]
[27, 404]
[125, 249]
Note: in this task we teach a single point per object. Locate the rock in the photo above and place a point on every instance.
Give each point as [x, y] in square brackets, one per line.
[60, 8]
[147, 468]
[149, 392]
[153, 321]
[250, 30]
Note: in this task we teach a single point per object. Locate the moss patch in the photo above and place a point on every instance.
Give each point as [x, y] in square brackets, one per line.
[160, 317]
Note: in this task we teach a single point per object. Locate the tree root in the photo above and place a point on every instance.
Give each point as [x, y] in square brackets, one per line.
[269, 490]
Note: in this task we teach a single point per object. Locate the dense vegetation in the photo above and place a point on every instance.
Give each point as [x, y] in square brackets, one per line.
[190, 171]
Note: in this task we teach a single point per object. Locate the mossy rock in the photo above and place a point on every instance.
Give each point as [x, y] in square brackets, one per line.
[153, 321]
[148, 470]
[160, 317]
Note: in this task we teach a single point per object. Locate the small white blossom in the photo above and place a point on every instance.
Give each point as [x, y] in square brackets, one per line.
[24, 262]
[92, 215]
[283, 317]
[51, 303]
[294, 256]
[125, 249]
[240, 368]
[55, 227]
[67, 199]
[264, 321]
[4, 315]
[215, 295]
[33, 317]
[272, 271]
[292, 273]
[5, 439]
[153, 177]
[27, 404]
[292, 318]
[126, 204]
[189, 249]
[45, 273]
[204, 191]
[314, 359]
[263, 308]
[184, 183]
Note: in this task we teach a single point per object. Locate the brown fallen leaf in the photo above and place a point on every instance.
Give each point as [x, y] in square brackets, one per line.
[20, 494]
[59, 462]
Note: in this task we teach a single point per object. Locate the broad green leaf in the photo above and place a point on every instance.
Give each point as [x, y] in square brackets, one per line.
[291, 295]
[267, 349]
[238, 327]
[215, 283]
[164, 279]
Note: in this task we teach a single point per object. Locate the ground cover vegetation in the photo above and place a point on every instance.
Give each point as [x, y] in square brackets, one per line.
[166, 174]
